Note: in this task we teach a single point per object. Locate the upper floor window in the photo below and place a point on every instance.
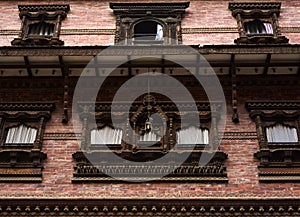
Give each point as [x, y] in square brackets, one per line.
[258, 27]
[41, 24]
[278, 130]
[193, 135]
[148, 31]
[106, 135]
[41, 29]
[281, 134]
[149, 23]
[20, 135]
[258, 22]
[22, 128]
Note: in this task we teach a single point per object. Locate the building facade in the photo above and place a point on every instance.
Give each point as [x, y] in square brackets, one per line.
[95, 93]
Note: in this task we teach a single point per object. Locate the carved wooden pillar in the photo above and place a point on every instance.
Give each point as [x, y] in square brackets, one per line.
[118, 25]
[128, 37]
[1, 130]
[298, 129]
[240, 25]
[21, 34]
[57, 27]
[39, 136]
[171, 134]
[84, 136]
[260, 133]
[276, 30]
[65, 117]
[214, 129]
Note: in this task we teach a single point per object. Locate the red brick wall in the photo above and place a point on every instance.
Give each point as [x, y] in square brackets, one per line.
[97, 15]
[241, 165]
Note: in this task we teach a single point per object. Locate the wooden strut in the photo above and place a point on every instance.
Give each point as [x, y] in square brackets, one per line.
[65, 74]
[235, 115]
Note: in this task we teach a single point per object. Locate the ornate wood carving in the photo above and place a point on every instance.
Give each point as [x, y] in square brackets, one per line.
[30, 14]
[23, 162]
[247, 11]
[278, 162]
[134, 151]
[147, 50]
[168, 14]
[150, 207]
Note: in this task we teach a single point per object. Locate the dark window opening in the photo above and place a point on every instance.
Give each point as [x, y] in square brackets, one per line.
[148, 30]
[258, 27]
[41, 29]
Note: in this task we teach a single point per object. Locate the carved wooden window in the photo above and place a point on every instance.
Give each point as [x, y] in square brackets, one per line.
[155, 130]
[148, 31]
[258, 22]
[279, 133]
[41, 24]
[41, 28]
[193, 135]
[106, 135]
[21, 136]
[278, 130]
[148, 23]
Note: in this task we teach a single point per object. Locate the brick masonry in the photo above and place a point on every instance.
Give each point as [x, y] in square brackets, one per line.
[241, 165]
[97, 15]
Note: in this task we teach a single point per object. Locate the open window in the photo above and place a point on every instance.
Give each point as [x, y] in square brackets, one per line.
[258, 22]
[148, 31]
[148, 23]
[41, 25]
[278, 130]
[22, 128]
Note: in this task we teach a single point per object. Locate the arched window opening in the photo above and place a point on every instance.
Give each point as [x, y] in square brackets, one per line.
[41, 29]
[150, 137]
[192, 135]
[106, 135]
[21, 134]
[258, 27]
[281, 134]
[149, 31]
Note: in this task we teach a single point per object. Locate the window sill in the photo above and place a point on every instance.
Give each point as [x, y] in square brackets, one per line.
[37, 41]
[261, 39]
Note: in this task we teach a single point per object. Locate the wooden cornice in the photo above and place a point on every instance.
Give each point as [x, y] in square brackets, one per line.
[150, 207]
[254, 5]
[150, 50]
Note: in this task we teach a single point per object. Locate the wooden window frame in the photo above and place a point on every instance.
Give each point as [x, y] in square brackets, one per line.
[52, 14]
[278, 162]
[263, 11]
[169, 15]
[23, 162]
[131, 150]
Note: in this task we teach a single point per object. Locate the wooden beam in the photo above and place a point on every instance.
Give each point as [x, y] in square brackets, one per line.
[27, 66]
[268, 60]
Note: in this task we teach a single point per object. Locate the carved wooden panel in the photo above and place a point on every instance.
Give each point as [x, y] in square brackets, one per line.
[167, 14]
[278, 162]
[268, 12]
[131, 149]
[39, 15]
[23, 162]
